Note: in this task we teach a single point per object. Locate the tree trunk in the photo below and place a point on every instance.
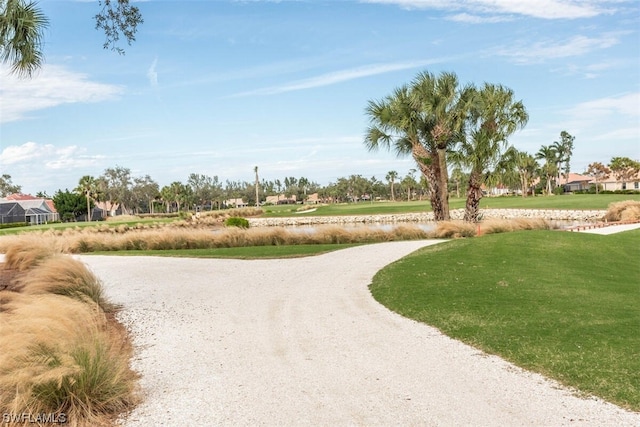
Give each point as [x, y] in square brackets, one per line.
[443, 181]
[474, 194]
[428, 167]
[88, 208]
[524, 184]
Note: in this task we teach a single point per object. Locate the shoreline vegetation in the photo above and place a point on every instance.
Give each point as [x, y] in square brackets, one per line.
[206, 230]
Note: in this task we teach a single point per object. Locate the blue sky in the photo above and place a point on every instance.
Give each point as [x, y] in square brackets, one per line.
[218, 87]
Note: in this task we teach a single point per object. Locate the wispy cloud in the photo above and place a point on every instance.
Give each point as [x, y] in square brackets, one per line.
[47, 156]
[625, 105]
[543, 9]
[54, 85]
[152, 74]
[541, 51]
[338, 77]
[478, 19]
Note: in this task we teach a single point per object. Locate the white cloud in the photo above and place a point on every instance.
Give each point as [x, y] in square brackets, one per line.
[338, 77]
[625, 105]
[152, 74]
[543, 9]
[477, 19]
[47, 156]
[541, 51]
[54, 85]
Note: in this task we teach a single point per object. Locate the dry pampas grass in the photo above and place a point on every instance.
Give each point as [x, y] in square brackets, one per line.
[63, 353]
[625, 211]
[25, 252]
[205, 238]
[63, 275]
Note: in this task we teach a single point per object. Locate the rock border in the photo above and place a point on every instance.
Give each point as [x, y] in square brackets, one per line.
[419, 217]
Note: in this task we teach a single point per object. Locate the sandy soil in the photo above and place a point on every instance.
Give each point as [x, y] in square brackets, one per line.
[302, 342]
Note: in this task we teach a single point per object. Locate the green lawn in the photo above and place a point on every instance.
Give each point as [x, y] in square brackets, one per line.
[250, 252]
[566, 305]
[574, 201]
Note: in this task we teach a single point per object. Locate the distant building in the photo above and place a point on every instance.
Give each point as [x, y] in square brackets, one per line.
[236, 203]
[281, 199]
[27, 208]
[576, 182]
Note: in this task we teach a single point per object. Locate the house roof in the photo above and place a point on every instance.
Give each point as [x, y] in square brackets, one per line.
[26, 204]
[575, 177]
[28, 201]
[20, 196]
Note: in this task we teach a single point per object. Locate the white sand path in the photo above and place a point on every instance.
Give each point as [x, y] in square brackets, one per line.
[302, 342]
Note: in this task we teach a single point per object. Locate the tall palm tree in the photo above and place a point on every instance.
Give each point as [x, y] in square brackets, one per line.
[442, 106]
[257, 183]
[21, 36]
[492, 116]
[549, 169]
[526, 167]
[423, 119]
[88, 187]
[564, 150]
[391, 178]
[395, 125]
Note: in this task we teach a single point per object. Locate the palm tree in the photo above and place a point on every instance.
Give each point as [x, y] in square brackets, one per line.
[457, 175]
[526, 167]
[88, 187]
[493, 115]
[391, 178]
[21, 36]
[564, 150]
[549, 169]
[257, 183]
[442, 105]
[423, 120]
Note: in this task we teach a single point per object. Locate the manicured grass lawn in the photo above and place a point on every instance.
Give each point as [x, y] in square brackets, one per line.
[250, 252]
[566, 305]
[574, 201]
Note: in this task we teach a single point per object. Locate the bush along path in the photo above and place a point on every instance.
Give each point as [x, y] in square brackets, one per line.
[65, 358]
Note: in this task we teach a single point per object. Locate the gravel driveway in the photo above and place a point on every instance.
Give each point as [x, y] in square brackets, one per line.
[302, 342]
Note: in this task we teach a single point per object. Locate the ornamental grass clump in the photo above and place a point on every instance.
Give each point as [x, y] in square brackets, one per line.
[493, 226]
[454, 229]
[63, 275]
[63, 356]
[625, 211]
[27, 252]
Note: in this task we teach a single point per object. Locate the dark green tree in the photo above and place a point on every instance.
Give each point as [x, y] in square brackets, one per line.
[70, 205]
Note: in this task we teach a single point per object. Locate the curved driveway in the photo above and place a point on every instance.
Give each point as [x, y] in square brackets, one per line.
[302, 342]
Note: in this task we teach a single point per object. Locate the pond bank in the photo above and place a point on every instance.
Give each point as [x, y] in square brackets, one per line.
[421, 217]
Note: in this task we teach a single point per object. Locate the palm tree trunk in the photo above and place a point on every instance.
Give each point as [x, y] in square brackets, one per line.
[88, 208]
[474, 194]
[443, 181]
[429, 168]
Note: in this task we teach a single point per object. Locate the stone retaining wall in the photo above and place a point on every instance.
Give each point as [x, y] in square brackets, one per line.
[549, 214]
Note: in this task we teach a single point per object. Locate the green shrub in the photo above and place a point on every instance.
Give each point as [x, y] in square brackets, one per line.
[14, 225]
[235, 221]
